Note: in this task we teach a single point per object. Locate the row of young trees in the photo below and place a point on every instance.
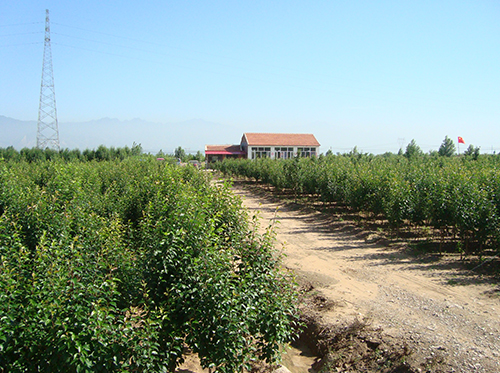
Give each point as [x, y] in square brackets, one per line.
[412, 150]
[446, 149]
[181, 154]
[102, 153]
[460, 196]
[118, 265]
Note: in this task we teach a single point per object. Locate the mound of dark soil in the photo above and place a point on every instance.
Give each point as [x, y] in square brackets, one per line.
[354, 347]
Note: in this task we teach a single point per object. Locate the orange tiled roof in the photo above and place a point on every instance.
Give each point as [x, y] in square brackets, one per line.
[281, 139]
[223, 149]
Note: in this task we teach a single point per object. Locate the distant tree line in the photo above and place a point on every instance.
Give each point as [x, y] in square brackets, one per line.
[181, 154]
[413, 151]
[446, 149]
[102, 153]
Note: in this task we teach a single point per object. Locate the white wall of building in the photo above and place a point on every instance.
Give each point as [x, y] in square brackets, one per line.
[284, 152]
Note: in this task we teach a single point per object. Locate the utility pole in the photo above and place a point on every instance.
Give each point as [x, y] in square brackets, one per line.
[48, 131]
[401, 142]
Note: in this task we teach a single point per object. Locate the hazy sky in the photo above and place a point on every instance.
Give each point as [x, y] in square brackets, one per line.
[372, 74]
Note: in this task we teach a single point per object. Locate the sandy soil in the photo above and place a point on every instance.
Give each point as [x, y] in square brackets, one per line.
[445, 314]
[448, 317]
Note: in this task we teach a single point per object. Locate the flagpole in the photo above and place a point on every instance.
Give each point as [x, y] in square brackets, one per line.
[460, 140]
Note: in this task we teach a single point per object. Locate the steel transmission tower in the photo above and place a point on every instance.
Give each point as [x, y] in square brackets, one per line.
[48, 132]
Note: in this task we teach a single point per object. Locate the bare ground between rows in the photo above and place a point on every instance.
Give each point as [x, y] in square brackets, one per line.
[370, 304]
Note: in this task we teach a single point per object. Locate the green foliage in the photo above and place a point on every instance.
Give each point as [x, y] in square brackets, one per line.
[180, 153]
[115, 265]
[102, 153]
[461, 195]
[472, 152]
[413, 150]
[447, 148]
[199, 156]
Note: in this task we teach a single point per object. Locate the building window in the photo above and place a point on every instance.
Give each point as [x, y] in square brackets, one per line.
[306, 152]
[283, 153]
[261, 152]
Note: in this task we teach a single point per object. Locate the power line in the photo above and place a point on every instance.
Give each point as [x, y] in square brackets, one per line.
[20, 44]
[279, 72]
[347, 83]
[22, 33]
[305, 84]
[21, 24]
[102, 42]
[104, 33]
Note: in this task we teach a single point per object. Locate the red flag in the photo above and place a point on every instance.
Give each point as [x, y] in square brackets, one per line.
[461, 140]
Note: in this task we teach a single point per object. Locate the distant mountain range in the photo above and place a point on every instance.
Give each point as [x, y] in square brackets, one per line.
[192, 135]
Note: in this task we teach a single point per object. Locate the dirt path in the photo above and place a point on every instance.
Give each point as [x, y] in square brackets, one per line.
[445, 314]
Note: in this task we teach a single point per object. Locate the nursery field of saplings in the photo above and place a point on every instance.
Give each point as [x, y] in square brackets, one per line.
[456, 197]
[118, 265]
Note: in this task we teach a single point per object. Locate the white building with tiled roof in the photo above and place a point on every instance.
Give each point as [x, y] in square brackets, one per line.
[266, 145]
[279, 145]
